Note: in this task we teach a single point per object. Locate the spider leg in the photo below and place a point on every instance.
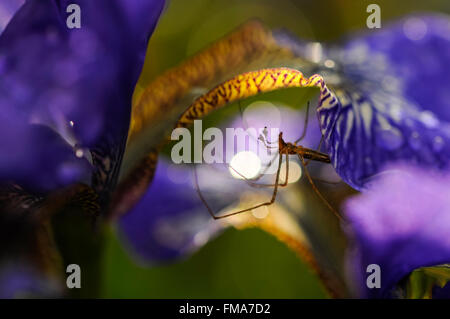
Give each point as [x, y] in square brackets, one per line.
[251, 182]
[270, 202]
[286, 175]
[305, 126]
[260, 175]
[320, 180]
[316, 190]
[318, 147]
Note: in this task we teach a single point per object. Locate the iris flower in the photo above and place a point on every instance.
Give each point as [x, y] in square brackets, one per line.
[392, 99]
[65, 96]
[391, 139]
[391, 90]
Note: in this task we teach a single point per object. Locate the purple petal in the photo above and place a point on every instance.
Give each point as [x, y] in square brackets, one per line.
[401, 223]
[416, 51]
[18, 281]
[392, 100]
[54, 164]
[79, 82]
[170, 220]
[442, 293]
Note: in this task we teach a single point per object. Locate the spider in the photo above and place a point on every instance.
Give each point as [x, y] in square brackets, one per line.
[286, 149]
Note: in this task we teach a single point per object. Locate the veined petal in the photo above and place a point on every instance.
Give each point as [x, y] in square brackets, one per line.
[392, 99]
[252, 83]
[415, 52]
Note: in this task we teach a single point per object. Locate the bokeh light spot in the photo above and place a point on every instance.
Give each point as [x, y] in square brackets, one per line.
[245, 165]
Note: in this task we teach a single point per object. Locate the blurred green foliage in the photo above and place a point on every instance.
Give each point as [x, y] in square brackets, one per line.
[250, 263]
[188, 26]
[238, 264]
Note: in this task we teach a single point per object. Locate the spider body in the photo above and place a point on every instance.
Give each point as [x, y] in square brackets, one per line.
[307, 153]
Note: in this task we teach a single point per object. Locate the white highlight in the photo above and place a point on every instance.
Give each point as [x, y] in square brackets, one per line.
[348, 130]
[329, 63]
[245, 164]
[294, 174]
[367, 113]
[262, 112]
[260, 212]
[428, 119]
[315, 51]
[79, 153]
